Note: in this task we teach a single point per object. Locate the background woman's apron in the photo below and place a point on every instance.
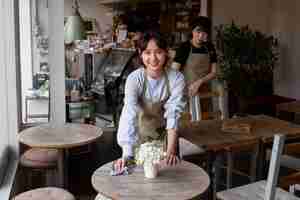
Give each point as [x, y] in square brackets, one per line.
[196, 67]
[151, 122]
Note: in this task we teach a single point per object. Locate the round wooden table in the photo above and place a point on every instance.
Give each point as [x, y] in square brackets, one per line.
[183, 181]
[60, 137]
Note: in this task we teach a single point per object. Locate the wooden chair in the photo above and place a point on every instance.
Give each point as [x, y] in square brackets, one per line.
[43, 161]
[266, 190]
[47, 193]
[291, 162]
[289, 111]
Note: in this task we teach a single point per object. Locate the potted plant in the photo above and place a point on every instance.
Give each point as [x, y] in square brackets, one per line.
[246, 59]
[149, 155]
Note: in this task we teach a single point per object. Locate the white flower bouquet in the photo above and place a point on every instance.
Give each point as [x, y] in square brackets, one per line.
[150, 154]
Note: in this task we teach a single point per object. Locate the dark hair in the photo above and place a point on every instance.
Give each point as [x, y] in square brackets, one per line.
[159, 40]
[157, 37]
[203, 22]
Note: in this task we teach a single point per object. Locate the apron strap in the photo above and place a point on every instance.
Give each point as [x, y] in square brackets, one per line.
[144, 84]
[168, 85]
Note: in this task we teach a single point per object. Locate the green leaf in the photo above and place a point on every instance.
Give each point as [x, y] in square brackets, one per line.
[246, 58]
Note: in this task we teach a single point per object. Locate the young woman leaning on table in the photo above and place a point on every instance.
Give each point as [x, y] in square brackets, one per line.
[154, 100]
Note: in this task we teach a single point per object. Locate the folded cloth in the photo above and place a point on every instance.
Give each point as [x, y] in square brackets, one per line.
[124, 171]
[129, 167]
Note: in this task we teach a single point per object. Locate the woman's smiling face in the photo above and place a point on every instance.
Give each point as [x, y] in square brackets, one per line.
[153, 57]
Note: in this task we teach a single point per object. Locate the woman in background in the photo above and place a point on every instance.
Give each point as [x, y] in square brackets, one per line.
[197, 60]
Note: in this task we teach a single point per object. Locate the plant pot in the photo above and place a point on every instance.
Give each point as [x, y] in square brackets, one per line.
[151, 170]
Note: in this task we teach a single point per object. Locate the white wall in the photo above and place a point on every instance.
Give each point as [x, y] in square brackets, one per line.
[92, 8]
[286, 26]
[256, 13]
[276, 17]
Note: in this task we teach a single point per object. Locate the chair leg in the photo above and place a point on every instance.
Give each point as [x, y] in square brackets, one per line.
[216, 177]
[50, 177]
[253, 165]
[229, 169]
[262, 160]
[28, 176]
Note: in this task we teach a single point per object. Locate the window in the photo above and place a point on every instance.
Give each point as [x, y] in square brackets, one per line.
[34, 43]
[42, 60]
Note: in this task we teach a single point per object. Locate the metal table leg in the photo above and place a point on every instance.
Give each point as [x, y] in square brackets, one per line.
[210, 169]
[26, 109]
[63, 168]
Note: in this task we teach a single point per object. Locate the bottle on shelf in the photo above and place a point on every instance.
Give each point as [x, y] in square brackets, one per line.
[75, 94]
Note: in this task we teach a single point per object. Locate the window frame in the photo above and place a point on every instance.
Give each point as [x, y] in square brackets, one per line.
[9, 102]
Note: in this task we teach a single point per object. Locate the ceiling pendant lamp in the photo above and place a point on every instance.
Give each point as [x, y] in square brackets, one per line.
[74, 27]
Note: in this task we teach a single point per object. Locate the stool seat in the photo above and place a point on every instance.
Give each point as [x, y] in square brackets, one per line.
[47, 193]
[40, 158]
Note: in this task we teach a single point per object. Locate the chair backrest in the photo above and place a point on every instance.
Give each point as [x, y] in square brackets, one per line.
[274, 167]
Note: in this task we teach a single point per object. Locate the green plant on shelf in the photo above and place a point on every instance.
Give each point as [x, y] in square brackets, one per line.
[44, 89]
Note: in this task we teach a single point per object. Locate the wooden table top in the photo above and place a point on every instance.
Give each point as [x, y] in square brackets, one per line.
[208, 133]
[181, 182]
[293, 107]
[63, 136]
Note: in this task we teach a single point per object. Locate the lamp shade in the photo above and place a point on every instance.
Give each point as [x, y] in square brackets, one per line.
[74, 27]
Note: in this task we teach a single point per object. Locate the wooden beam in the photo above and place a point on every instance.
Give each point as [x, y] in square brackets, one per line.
[204, 8]
[57, 61]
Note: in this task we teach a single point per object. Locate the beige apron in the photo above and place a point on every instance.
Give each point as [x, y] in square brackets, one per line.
[196, 67]
[151, 122]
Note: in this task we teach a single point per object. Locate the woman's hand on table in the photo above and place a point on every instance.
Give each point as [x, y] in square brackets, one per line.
[171, 157]
[119, 164]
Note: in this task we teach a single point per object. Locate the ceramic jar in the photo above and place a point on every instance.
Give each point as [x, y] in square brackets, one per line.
[151, 170]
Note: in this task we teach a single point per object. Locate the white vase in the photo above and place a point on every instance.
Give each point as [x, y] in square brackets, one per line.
[151, 170]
